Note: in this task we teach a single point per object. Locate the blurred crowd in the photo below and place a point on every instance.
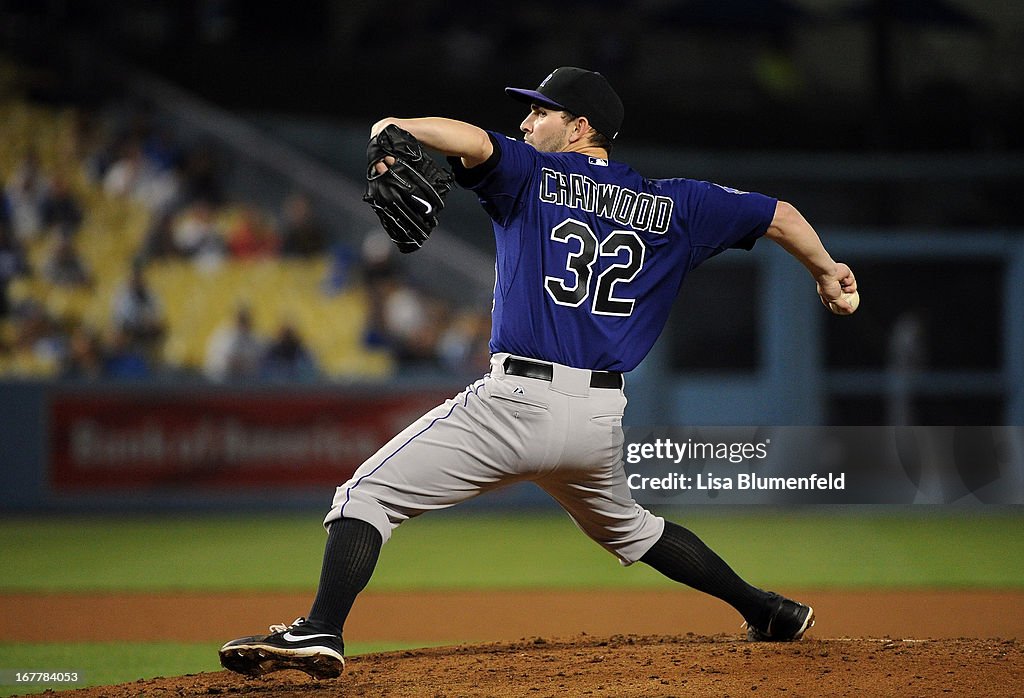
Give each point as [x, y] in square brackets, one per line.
[127, 154]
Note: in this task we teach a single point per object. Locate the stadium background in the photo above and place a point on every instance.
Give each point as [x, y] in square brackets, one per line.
[893, 125]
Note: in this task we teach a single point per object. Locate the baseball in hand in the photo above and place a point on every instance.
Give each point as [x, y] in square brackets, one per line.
[852, 298]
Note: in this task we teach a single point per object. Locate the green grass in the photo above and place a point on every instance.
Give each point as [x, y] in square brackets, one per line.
[102, 664]
[951, 550]
[471, 551]
[106, 663]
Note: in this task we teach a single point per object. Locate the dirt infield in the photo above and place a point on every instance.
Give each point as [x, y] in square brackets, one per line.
[533, 643]
[638, 666]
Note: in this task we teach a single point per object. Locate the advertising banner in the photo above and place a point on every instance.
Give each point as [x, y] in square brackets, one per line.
[132, 440]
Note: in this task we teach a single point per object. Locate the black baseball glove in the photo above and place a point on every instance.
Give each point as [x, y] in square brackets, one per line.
[410, 194]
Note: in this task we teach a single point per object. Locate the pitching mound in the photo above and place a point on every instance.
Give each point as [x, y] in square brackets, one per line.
[629, 665]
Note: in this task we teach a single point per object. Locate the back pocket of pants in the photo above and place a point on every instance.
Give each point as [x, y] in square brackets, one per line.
[519, 402]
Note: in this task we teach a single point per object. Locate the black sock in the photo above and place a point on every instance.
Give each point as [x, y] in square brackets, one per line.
[353, 547]
[683, 557]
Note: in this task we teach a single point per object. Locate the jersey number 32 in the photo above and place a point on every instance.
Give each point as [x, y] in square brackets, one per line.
[575, 290]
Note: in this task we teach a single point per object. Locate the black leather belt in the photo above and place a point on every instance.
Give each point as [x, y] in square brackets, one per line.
[544, 372]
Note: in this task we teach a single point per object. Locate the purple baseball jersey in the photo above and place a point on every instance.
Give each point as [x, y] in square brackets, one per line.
[591, 255]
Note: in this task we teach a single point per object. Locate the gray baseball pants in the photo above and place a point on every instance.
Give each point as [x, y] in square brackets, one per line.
[561, 434]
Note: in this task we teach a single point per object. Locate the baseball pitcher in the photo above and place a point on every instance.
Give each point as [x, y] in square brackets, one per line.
[590, 256]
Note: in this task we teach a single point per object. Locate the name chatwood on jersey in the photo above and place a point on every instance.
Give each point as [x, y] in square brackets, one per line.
[638, 210]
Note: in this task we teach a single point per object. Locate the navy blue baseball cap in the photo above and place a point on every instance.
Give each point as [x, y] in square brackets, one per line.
[582, 92]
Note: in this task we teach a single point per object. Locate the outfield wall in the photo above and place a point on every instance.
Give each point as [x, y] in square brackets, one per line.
[139, 448]
[155, 446]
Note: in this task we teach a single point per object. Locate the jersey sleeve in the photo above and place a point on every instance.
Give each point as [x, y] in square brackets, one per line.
[722, 218]
[501, 180]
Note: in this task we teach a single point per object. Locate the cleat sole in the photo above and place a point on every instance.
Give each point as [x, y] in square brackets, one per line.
[257, 661]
